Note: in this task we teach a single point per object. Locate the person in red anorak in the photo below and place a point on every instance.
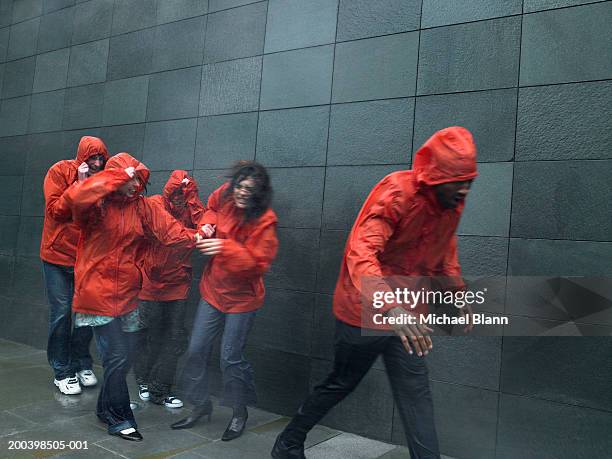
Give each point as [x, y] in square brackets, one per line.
[116, 222]
[67, 348]
[241, 239]
[166, 278]
[406, 228]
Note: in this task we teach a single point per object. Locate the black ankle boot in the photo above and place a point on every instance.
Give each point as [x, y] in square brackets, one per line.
[236, 425]
[198, 412]
[285, 450]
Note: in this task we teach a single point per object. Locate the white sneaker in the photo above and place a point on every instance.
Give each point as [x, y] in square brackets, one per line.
[134, 405]
[173, 402]
[87, 378]
[143, 392]
[68, 386]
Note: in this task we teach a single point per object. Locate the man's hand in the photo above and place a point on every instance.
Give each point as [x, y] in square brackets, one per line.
[411, 335]
[185, 181]
[83, 172]
[209, 230]
[130, 171]
[209, 246]
[466, 311]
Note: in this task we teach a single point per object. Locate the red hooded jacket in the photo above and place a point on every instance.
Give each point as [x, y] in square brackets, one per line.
[402, 230]
[114, 231]
[233, 279]
[60, 235]
[166, 273]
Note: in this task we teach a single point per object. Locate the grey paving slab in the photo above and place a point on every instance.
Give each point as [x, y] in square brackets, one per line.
[317, 435]
[11, 424]
[61, 408]
[349, 445]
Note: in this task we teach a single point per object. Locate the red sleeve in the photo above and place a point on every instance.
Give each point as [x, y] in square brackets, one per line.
[55, 187]
[83, 196]
[194, 204]
[255, 255]
[167, 229]
[450, 269]
[368, 240]
[213, 207]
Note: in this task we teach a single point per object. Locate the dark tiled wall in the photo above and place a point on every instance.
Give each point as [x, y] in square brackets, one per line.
[332, 95]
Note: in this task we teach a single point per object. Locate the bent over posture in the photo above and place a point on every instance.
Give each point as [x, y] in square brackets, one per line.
[406, 227]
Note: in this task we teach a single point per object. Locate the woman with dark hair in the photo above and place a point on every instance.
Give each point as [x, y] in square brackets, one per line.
[240, 230]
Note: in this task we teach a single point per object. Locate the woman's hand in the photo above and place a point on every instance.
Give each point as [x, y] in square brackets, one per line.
[208, 230]
[209, 246]
[83, 172]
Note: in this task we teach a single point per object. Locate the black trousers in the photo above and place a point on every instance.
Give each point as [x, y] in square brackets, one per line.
[160, 345]
[354, 356]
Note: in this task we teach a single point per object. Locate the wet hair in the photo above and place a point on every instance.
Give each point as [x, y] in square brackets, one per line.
[261, 197]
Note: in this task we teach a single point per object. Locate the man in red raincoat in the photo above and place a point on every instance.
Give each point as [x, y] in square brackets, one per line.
[166, 278]
[67, 349]
[406, 228]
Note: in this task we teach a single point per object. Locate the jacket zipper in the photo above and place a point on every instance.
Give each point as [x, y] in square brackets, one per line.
[117, 270]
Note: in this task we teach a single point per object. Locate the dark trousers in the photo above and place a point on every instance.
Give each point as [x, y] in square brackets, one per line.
[115, 347]
[238, 383]
[160, 345]
[67, 348]
[354, 356]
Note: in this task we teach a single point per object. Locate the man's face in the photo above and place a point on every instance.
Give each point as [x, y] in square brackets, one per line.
[130, 188]
[243, 192]
[451, 194]
[178, 200]
[95, 164]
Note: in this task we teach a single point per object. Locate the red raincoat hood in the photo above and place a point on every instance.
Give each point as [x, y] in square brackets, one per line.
[448, 156]
[174, 183]
[90, 146]
[125, 160]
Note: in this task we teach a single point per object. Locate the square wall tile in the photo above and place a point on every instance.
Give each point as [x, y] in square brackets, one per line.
[364, 18]
[483, 256]
[528, 427]
[295, 137]
[14, 115]
[54, 5]
[289, 314]
[297, 78]
[55, 30]
[28, 282]
[230, 87]
[7, 266]
[129, 138]
[489, 115]
[376, 68]
[13, 151]
[10, 187]
[378, 132]
[9, 230]
[298, 196]
[487, 208]
[346, 188]
[4, 42]
[223, 140]
[6, 12]
[323, 329]
[545, 206]
[47, 111]
[92, 21]
[84, 106]
[567, 45]
[170, 145]
[23, 39]
[331, 253]
[125, 101]
[295, 24]
[44, 150]
[33, 197]
[131, 54]
[295, 244]
[217, 5]
[26, 9]
[51, 70]
[559, 122]
[18, 77]
[30, 233]
[538, 5]
[132, 15]
[174, 94]
[235, 33]
[540, 367]
[179, 44]
[439, 12]
[175, 10]
[157, 181]
[88, 63]
[481, 55]
[208, 181]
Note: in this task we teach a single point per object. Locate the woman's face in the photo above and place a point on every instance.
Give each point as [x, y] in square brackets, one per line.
[130, 188]
[243, 192]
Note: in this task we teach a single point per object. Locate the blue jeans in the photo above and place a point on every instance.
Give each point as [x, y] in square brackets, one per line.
[115, 348]
[238, 384]
[67, 348]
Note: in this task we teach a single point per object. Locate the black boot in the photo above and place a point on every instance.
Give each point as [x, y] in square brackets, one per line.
[236, 425]
[283, 449]
[198, 412]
